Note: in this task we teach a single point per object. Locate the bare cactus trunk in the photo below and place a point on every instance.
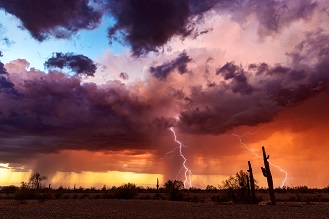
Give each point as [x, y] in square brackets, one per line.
[248, 189]
[252, 184]
[267, 173]
[157, 187]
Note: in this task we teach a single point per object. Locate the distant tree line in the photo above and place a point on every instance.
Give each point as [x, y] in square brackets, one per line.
[233, 189]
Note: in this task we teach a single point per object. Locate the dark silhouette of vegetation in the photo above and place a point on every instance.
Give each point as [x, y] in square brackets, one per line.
[59, 192]
[237, 187]
[326, 189]
[174, 189]
[211, 188]
[104, 188]
[32, 190]
[267, 173]
[126, 191]
[234, 189]
[252, 184]
[36, 181]
[157, 185]
[9, 189]
[23, 193]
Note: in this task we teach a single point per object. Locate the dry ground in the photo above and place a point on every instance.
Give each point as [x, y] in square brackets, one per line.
[106, 208]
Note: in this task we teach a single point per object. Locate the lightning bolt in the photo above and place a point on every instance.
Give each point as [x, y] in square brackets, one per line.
[257, 155]
[187, 171]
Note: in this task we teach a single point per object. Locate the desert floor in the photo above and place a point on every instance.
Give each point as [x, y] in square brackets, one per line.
[106, 208]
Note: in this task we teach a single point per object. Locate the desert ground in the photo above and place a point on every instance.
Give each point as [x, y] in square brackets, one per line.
[111, 208]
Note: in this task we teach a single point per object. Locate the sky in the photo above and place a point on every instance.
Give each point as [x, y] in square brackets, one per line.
[93, 92]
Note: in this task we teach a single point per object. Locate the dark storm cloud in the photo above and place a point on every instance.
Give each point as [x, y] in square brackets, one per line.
[4, 82]
[54, 112]
[219, 108]
[79, 64]
[59, 112]
[161, 72]
[2, 68]
[237, 77]
[307, 74]
[57, 18]
[146, 25]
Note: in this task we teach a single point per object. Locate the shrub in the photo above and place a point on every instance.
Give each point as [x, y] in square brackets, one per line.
[23, 193]
[173, 187]
[59, 192]
[104, 188]
[237, 187]
[126, 191]
[36, 181]
[302, 189]
[10, 189]
[326, 189]
[211, 188]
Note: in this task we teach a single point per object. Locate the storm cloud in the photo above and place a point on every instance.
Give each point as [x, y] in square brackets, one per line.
[2, 69]
[4, 82]
[60, 112]
[255, 95]
[78, 64]
[147, 25]
[161, 72]
[236, 75]
[59, 18]
[144, 25]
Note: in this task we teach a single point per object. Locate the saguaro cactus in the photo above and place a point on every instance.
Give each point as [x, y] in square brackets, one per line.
[248, 188]
[267, 173]
[157, 187]
[252, 184]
